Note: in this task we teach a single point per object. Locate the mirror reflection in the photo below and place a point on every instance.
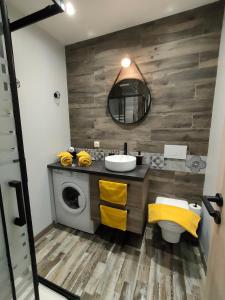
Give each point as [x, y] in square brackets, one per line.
[129, 101]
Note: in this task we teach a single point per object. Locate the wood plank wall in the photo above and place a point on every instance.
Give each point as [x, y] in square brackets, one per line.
[178, 57]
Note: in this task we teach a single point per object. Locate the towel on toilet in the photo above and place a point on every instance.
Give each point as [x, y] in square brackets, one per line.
[183, 217]
[84, 159]
[113, 192]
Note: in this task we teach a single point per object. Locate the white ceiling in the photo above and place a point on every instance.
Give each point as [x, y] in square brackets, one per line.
[98, 17]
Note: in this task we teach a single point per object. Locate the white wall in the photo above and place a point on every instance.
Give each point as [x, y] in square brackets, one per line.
[41, 69]
[216, 132]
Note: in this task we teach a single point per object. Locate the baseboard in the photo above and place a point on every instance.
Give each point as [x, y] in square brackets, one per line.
[43, 232]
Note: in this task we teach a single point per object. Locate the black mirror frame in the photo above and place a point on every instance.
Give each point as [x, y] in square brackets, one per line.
[142, 118]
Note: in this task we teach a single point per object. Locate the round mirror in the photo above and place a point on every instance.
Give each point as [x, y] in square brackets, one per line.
[129, 101]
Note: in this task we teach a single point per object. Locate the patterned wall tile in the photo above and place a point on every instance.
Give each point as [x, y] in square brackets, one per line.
[193, 164]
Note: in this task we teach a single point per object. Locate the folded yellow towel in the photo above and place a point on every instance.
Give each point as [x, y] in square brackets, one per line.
[184, 217]
[84, 159]
[83, 153]
[114, 192]
[113, 217]
[66, 159]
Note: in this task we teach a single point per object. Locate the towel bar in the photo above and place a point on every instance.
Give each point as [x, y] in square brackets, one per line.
[218, 199]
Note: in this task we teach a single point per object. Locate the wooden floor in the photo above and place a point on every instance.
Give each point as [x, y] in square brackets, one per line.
[111, 265]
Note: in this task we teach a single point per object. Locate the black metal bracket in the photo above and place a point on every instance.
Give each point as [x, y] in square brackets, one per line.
[49, 11]
[218, 199]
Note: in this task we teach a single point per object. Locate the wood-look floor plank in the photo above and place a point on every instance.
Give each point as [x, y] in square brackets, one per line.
[68, 264]
[94, 253]
[109, 290]
[179, 288]
[127, 277]
[95, 278]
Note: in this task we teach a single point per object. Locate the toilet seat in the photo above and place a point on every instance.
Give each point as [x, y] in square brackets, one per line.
[172, 202]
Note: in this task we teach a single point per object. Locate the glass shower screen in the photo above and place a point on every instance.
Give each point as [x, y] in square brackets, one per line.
[16, 273]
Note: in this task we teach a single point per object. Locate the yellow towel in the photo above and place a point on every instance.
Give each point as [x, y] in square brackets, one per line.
[66, 158]
[84, 159]
[184, 217]
[113, 217]
[114, 192]
[82, 153]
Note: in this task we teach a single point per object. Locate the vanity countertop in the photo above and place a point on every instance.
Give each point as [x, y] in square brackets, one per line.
[98, 168]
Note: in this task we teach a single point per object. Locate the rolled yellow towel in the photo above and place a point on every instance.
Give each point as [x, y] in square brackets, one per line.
[83, 153]
[66, 159]
[63, 153]
[84, 159]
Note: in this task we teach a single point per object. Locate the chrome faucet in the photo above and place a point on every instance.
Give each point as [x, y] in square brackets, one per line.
[125, 149]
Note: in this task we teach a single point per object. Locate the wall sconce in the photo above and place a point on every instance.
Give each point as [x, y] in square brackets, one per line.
[57, 97]
[125, 62]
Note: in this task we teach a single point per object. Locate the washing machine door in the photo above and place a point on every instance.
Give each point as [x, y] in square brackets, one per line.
[72, 198]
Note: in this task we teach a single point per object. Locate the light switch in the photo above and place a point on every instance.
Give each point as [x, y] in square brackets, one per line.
[175, 151]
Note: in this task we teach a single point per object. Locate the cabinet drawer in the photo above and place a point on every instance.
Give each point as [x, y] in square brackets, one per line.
[136, 219]
[136, 201]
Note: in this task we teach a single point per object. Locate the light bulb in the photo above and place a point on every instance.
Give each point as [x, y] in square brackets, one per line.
[125, 62]
[70, 10]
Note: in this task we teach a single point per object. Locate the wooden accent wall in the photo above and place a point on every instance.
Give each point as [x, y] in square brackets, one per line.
[178, 57]
[174, 184]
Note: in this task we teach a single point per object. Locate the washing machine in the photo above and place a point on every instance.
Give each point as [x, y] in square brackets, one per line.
[72, 200]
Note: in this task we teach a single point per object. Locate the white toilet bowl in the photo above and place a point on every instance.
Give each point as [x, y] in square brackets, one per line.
[171, 231]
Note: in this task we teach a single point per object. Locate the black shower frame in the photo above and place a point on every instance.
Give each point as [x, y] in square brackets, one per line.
[22, 162]
[37, 16]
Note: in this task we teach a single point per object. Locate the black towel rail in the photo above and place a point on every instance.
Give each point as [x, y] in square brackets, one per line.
[218, 199]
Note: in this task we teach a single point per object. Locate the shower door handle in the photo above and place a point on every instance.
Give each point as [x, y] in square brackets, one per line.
[21, 220]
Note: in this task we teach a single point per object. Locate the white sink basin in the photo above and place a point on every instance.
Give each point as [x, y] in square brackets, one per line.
[120, 163]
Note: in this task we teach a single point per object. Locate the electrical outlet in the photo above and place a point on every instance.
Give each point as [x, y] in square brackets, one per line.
[96, 144]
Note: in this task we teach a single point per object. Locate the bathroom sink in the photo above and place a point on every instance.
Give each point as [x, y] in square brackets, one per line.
[120, 163]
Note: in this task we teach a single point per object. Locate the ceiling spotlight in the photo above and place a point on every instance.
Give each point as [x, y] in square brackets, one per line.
[70, 10]
[125, 62]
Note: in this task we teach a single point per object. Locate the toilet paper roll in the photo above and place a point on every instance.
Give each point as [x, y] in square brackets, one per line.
[195, 208]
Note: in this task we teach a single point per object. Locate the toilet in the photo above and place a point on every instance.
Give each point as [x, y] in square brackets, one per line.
[171, 232]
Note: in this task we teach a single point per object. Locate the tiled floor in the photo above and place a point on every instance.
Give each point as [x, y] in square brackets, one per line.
[111, 265]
